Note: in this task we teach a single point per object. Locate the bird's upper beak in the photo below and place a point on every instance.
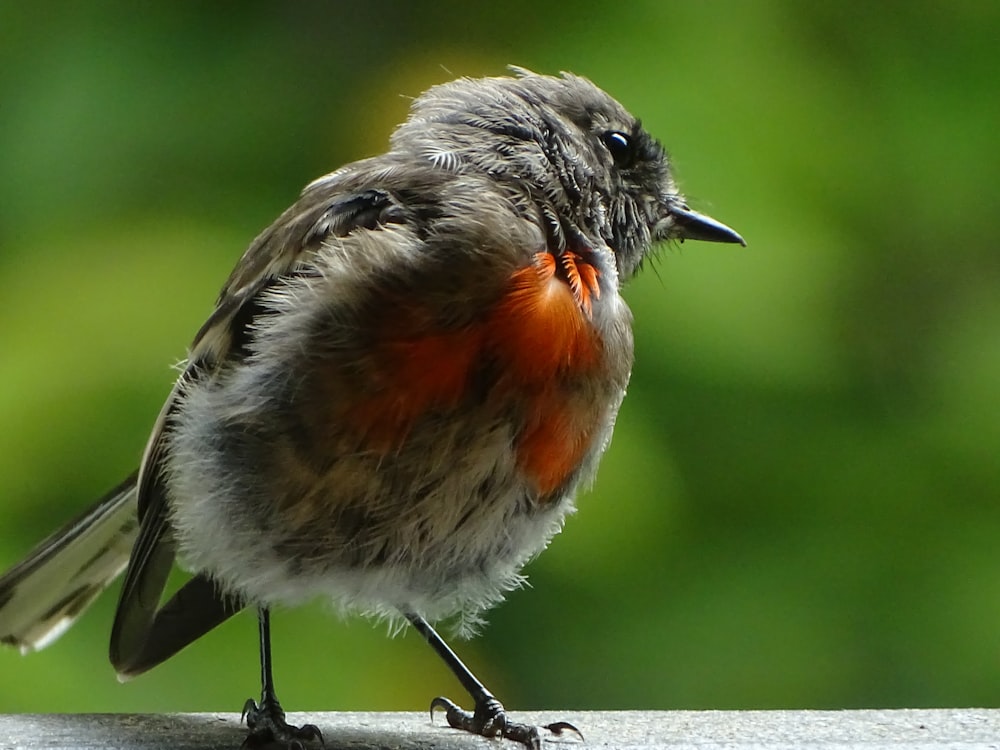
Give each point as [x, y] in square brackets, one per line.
[691, 225]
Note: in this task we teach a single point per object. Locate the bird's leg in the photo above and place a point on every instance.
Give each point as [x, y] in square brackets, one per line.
[266, 719]
[488, 717]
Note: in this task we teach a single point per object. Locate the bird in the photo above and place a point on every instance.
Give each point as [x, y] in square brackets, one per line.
[404, 382]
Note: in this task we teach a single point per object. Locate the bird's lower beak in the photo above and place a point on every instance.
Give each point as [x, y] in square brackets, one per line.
[691, 225]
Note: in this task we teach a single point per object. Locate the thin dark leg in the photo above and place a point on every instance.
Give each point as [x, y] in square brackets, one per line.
[266, 720]
[489, 718]
[266, 677]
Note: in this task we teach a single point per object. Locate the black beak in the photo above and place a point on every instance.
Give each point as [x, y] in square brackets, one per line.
[691, 225]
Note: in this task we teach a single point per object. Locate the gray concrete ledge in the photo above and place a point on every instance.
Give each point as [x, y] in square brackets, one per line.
[626, 730]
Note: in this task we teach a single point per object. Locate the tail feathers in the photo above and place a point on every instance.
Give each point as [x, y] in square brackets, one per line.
[43, 595]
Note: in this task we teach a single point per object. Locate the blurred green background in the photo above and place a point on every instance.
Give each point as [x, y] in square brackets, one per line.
[800, 508]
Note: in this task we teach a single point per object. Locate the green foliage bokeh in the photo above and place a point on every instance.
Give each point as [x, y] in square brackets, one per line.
[800, 505]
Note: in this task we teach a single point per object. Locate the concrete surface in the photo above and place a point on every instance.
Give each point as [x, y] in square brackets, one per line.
[702, 730]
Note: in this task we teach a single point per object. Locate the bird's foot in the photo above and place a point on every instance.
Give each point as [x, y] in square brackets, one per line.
[268, 728]
[490, 720]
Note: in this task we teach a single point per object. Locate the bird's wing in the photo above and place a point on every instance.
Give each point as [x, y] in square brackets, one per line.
[144, 634]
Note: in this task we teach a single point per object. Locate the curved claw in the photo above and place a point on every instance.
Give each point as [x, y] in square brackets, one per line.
[559, 727]
[444, 704]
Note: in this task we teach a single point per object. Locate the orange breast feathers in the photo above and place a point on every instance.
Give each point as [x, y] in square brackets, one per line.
[539, 343]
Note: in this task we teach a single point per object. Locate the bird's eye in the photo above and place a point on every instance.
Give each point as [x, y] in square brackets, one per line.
[621, 148]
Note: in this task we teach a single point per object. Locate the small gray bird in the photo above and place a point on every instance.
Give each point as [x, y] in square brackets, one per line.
[403, 384]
